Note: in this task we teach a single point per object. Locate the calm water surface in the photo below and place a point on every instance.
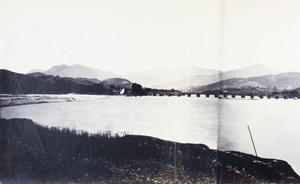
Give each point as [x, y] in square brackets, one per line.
[216, 123]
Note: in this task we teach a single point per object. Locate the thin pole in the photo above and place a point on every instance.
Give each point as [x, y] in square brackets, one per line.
[252, 141]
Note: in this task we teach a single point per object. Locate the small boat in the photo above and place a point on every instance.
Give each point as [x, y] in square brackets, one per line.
[122, 91]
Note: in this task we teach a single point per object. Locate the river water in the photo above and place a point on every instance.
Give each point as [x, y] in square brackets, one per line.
[218, 123]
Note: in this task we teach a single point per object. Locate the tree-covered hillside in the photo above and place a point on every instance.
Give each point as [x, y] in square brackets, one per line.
[14, 83]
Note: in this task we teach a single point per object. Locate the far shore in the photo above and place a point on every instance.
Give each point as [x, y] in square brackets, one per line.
[25, 99]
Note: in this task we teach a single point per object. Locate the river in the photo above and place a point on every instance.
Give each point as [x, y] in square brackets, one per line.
[218, 123]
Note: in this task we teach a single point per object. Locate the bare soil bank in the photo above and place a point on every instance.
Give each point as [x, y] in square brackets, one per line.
[30, 153]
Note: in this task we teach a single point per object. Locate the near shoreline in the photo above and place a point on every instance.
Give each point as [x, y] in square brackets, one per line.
[33, 153]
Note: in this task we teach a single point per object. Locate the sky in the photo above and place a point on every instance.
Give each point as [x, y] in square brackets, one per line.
[124, 36]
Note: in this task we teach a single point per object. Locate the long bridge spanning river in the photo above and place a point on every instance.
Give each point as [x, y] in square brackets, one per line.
[207, 95]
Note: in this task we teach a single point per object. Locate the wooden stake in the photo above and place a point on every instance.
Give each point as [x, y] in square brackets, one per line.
[252, 141]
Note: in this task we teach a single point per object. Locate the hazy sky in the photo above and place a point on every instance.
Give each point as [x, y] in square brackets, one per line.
[124, 36]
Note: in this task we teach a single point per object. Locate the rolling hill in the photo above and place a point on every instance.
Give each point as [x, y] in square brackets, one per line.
[39, 83]
[85, 81]
[158, 76]
[188, 83]
[249, 71]
[79, 71]
[279, 82]
[123, 83]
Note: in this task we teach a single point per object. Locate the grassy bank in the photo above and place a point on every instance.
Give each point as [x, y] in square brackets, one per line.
[32, 153]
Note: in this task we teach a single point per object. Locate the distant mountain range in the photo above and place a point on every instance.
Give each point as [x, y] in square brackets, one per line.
[201, 79]
[167, 77]
[192, 79]
[163, 78]
[78, 71]
[268, 83]
[147, 78]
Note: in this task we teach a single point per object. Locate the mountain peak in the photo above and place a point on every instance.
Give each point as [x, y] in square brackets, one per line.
[78, 66]
[36, 71]
[258, 66]
[248, 71]
[79, 71]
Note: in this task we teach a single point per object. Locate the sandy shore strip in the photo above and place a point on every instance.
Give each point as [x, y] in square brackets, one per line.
[23, 99]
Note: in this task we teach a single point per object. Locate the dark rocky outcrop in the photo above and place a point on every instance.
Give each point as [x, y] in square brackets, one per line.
[33, 153]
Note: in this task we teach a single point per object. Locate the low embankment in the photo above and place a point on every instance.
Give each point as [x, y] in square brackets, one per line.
[25, 99]
[34, 154]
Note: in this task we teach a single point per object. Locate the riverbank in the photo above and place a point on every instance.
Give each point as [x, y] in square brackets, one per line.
[22, 99]
[33, 153]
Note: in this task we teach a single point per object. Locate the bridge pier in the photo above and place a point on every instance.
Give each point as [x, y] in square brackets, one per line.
[261, 96]
[233, 95]
[243, 96]
[189, 95]
[198, 94]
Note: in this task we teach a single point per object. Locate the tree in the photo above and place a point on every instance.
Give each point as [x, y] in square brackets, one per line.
[136, 89]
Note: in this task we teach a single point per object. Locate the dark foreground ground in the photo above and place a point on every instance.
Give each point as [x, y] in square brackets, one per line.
[30, 153]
